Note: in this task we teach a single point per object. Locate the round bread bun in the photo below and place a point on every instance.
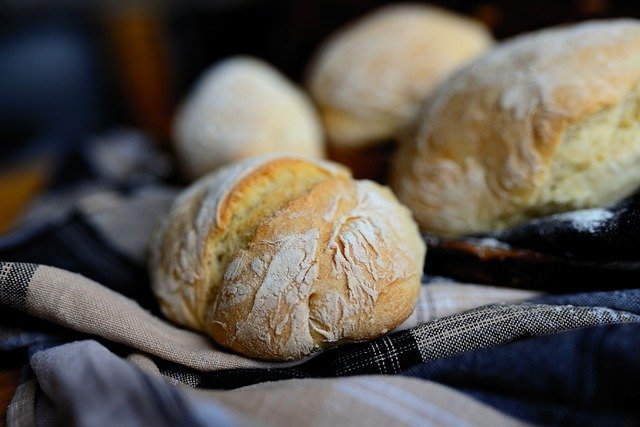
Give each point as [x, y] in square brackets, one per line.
[369, 79]
[545, 123]
[278, 256]
[241, 107]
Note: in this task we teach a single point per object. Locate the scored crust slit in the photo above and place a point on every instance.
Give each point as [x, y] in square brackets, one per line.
[277, 256]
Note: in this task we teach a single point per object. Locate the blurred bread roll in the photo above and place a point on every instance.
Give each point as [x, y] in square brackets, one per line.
[545, 123]
[370, 77]
[241, 107]
[278, 256]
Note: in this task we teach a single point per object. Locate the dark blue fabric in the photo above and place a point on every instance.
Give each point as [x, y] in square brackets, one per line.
[625, 299]
[584, 377]
[613, 238]
[74, 245]
[592, 249]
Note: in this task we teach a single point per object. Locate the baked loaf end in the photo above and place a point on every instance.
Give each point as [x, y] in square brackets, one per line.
[545, 123]
[276, 257]
[239, 108]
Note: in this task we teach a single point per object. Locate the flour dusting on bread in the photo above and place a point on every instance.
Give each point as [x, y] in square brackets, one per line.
[544, 123]
[315, 258]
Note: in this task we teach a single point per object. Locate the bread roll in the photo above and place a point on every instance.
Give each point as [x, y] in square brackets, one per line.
[242, 107]
[369, 78]
[547, 122]
[277, 256]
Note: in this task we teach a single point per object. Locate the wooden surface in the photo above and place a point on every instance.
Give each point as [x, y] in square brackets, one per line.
[8, 383]
[18, 185]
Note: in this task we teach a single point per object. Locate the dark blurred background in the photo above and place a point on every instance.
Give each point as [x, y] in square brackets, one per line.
[70, 68]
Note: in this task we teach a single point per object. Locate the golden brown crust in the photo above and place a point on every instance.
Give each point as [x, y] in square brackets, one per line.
[369, 78]
[338, 260]
[182, 248]
[480, 155]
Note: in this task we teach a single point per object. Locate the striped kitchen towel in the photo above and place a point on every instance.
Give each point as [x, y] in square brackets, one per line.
[82, 309]
[76, 310]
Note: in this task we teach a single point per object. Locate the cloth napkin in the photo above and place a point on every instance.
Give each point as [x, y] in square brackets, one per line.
[588, 249]
[77, 311]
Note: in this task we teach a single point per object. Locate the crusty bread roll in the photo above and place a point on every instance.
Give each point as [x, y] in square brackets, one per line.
[547, 122]
[369, 78]
[278, 256]
[239, 108]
